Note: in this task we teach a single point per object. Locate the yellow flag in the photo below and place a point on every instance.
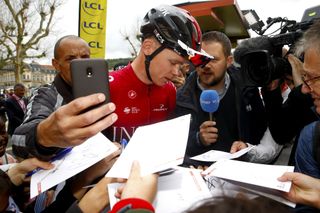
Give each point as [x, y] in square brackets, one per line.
[92, 25]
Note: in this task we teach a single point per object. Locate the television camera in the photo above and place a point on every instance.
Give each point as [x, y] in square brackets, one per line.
[262, 58]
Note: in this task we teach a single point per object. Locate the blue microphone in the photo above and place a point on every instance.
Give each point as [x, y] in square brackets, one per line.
[209, 101]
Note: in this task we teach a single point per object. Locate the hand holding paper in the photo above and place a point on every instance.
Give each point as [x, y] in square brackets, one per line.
[184, 187]
[251, 173]
[139, 187]
[80, 158]
[261, 179]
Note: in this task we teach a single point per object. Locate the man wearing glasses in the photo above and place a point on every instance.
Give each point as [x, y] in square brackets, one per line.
[310, 44]
[308, 149]
[309, 80]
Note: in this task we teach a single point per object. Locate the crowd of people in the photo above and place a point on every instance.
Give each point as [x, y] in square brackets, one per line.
[176, 63]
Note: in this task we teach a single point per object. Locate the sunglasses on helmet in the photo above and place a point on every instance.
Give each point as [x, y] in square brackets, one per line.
[195, 57]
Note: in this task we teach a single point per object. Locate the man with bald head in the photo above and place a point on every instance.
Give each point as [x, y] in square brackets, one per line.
[66, 49]
[53, 109]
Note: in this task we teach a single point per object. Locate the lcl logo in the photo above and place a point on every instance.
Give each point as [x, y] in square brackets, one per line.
[95, 44]
[91, 28]
[92, 25]
[93, 6]
[93, 9]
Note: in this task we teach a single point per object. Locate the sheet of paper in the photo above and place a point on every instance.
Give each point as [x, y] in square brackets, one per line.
[219, 188]
[266, 192]
[176, 192]
[6, 167]
[157, 147]
[222, 187]
[215, 155]
[251, 173]
[80, 158]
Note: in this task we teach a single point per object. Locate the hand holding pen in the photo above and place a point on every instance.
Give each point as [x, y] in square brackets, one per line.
[18, 172]
[58, 156]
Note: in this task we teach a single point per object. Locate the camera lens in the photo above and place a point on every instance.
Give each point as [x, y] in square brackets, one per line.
[89, 72]
[258, 67]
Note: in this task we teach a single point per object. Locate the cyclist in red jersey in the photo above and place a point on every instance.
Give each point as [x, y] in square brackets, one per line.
[142, 91]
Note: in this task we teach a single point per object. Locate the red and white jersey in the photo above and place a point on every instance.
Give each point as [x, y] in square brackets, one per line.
[137, 104]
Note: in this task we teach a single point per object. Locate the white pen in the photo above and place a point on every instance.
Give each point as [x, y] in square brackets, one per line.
[89, 186]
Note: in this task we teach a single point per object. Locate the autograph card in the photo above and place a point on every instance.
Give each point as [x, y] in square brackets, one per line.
[80, 158]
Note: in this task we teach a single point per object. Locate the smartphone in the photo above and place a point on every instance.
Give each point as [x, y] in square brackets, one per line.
[90, 76]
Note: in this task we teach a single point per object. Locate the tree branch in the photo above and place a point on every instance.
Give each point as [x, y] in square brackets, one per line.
[21, 18]
[13, 13]
[44, 32]
[9, 50]
[43, 54]
[6, 35]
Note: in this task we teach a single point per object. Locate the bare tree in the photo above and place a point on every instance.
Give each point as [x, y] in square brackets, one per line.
[133, 38]
[23, 25]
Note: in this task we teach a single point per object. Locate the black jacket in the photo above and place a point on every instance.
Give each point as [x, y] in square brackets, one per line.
[243, 102]
[44, 101]
[287, 119]
[15, 113]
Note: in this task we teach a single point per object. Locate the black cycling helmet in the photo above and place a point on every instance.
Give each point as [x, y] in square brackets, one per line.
[176, 29]
[170, 24]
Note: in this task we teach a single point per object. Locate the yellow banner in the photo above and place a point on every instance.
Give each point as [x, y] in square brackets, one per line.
[92, 25]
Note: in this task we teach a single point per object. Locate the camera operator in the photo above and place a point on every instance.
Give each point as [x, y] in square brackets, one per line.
[269, 72]
[308, 148]
[287, 119]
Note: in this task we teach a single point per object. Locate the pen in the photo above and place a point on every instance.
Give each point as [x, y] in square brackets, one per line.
[124, 143]
[167, 172]
[89, 186]
[61, 154]
[58, 156]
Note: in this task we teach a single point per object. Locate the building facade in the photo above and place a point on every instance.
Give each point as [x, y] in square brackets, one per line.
[33, 76]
